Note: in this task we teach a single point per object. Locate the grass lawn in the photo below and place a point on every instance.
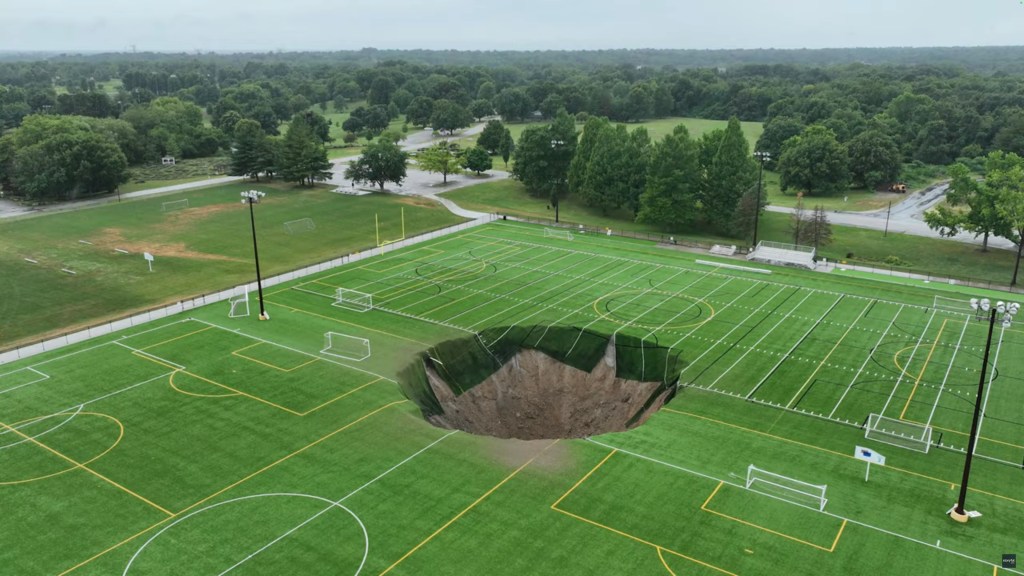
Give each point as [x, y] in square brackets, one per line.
[204, 248]
[204, 444]
[919, 254]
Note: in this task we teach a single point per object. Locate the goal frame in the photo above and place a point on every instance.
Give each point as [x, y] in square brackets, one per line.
[173, 205]
[239, 305]
[299, 226]
[896, 433]
[948, 304]
[558, 233]
[816, 492]
[358, 344]
[354, 300]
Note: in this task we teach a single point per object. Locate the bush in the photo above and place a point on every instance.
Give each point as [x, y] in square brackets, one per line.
[349, 138]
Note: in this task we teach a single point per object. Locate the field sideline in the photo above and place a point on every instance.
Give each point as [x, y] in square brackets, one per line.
[208, 444]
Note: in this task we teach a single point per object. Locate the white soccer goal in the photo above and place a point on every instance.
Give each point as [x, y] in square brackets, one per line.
[557, 233]
[909, 435]
[345, 346]
[952, 304]
[299, 226]
[239, 305]
[173, 205]
[353, 300]
[786, 488]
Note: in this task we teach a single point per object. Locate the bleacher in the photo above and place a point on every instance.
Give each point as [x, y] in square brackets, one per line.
[723, 250]
[783, 254]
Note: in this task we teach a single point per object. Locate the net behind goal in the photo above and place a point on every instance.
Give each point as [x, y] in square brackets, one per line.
[557, 233]
[345, 346]
[909, 435]
[174, 205]
[239, 305]
[786, 488]
[952, 304]
[353, 300]
[299, 226]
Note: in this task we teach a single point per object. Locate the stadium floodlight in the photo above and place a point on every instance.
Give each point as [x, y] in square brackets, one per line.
[1006, 312]
[251, 197]
[762, 157]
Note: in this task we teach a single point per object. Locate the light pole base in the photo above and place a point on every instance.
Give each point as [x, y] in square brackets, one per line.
[958, 517]
[265, 316]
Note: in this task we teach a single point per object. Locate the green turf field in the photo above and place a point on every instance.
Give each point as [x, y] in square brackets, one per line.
[213, 445]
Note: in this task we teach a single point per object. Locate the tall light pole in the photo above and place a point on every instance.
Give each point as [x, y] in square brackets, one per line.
[1006, 312]
[251, 197]
[762, 157]
[556, 145]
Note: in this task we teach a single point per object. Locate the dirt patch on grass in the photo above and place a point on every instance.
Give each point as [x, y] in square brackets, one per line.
[417, 201]
[111, 238]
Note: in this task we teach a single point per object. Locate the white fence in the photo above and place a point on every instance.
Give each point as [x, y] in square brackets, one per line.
[186, 305]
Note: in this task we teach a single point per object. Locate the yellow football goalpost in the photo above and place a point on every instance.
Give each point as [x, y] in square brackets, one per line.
[376, 221]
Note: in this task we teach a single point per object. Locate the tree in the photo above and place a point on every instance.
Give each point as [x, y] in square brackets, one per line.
[248, 152]
[477, 159]
[798, 220]
[776, 131]
[672, 191]
[440, 159]
[638, 150]
[507, 147]
[1009, 184]
[480, 108]
[304, 159]
[381, 162]
[550, 106]
[607, 184]
[748, 210]
[513, 104]
[814, 162]
[543, 155]
[874, 158]
[419, 111]
[585, 150]
[817, 230]
[728, 176]
[449, 117]
[491, 136]
[381, 91]
[972, 205]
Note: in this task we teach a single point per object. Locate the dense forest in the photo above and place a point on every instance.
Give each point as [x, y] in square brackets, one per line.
[864, 114]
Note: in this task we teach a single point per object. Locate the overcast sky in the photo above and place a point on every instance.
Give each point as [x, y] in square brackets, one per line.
[291, 25]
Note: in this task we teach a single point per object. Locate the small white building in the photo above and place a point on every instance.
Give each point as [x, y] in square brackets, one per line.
[167, 160]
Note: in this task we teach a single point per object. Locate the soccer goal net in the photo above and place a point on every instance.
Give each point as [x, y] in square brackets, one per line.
[299, 226]
[173, 205]
[345, 346]
[353, 300]
[952, 304]
[239, 305]
[557, 233]
[786, 488]
[909, 435]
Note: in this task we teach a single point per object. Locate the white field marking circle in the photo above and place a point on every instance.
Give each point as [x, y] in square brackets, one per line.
[70, 416]
[331, 503]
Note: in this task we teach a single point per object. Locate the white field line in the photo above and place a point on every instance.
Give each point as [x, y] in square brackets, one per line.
[726, 335]
[333, 505]
[703, 299]
[830, 514]
[415, 281]
[28, 423]
[495, 283]
[759, 340]
[44, 376]
[297, 351]
[909, 362]
[644, 292]
[393, 256]
[790, 351]
[544, 307]
[668, 298]
[829, 355]
[988, 390]
[865, 363]
[547, 276]
[153, 356]
[949, 369]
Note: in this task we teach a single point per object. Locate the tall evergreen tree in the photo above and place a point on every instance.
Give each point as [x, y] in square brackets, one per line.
[581, 160]
[248, 149]
[607, 183]
[638, 150]
[304, 158]
[672, 190]
[730, 174]
[507, 147]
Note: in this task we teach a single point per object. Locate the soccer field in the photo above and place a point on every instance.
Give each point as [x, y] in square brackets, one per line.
[215, 445]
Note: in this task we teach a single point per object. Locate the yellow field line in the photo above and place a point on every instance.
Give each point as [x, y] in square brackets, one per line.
[156, 361]
[294, 309]
[705, 508]
[920, 374]
[176, 338]
[840, 454]
[468, 508]
[961, 433]
[581, 480]
[663, 563]
[827, 356]
[196, 394]
[268, 364]
[352, 391]
[229, 487]
[87, 469]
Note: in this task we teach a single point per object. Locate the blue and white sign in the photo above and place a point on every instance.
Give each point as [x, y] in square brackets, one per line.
[868, 455]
